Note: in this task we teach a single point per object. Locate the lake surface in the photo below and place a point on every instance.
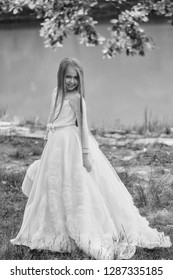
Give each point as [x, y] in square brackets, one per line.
[116, 90]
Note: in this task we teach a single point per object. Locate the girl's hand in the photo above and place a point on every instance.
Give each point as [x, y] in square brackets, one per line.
[86, 163]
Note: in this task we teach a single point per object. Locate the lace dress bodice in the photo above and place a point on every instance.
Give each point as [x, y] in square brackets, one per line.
[67, 116]
[70, 112]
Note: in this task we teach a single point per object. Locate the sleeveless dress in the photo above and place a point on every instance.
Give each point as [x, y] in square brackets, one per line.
[68, 206]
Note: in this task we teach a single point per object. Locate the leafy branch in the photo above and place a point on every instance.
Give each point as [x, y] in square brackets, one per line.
[61, 18]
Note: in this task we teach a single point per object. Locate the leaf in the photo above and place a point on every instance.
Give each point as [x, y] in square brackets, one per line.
[114, 21]
[15, 11]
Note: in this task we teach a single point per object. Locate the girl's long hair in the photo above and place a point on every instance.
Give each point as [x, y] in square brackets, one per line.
[60, 93]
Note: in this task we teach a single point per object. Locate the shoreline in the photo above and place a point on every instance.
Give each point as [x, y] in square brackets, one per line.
[103, 135]
[117, 137]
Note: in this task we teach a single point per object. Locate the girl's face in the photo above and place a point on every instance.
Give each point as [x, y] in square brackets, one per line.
[71, 79]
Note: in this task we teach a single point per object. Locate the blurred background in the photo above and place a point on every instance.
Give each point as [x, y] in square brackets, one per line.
[118, 90]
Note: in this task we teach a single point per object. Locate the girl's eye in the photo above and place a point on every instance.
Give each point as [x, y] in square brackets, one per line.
[70, 77]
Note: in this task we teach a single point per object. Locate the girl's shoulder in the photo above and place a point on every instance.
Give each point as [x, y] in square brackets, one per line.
[74, 101]
[74, 98]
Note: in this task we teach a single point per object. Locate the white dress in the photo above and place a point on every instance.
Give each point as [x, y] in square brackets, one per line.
[68, 206]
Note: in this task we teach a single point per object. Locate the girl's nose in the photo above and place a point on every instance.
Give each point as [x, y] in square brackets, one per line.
[72, 80]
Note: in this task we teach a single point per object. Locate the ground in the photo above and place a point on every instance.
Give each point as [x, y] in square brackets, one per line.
[145, 169]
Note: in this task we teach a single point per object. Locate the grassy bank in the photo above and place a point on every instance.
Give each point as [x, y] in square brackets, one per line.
[147, 173]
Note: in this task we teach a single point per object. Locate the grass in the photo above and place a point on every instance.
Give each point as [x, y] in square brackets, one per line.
[12, 203]
[150, 126]
[156, 204]
[152, 192]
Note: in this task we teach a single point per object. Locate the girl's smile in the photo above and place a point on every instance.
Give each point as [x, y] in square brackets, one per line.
[71, 79]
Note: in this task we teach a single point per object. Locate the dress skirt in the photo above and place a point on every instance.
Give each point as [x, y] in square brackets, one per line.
[69, 207]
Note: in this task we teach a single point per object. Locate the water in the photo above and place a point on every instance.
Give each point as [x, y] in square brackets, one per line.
[116, 90]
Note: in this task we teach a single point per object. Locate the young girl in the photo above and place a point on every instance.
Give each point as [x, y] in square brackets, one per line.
[75, 197]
